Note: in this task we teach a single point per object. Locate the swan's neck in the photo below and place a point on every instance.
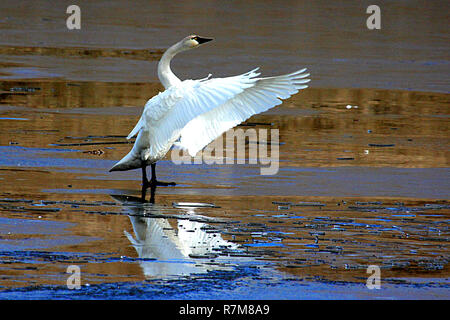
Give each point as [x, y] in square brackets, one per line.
[165, 74]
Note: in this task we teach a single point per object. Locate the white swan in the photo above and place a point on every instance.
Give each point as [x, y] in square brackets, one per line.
[192, 113]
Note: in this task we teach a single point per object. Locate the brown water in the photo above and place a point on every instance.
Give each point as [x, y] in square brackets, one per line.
[356, 187]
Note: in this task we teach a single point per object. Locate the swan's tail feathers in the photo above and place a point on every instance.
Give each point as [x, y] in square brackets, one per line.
[129, 162]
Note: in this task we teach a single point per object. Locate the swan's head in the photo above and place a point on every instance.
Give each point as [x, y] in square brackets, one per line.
[193, 41]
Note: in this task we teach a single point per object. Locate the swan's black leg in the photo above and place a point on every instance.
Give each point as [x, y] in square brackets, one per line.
[153, 166]
[152, 184]
[152, 193]
[145, 183]
[155, 182]
[144, 176]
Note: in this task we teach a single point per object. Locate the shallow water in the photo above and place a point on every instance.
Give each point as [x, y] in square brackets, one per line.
[355, 187]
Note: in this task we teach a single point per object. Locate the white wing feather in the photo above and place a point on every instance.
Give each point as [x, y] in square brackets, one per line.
[263, 95]
[166, 114]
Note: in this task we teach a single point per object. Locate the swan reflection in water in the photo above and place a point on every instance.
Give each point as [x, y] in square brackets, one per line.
[177, 245]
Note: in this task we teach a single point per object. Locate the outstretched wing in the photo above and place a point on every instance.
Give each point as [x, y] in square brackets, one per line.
[166, 114]
[264, 94]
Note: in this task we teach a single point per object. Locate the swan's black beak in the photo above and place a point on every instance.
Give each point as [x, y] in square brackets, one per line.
[202, 40]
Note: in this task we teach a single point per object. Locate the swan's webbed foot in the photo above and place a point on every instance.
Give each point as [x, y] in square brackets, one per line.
[156, 183]
[165, 184]
[153, 182]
